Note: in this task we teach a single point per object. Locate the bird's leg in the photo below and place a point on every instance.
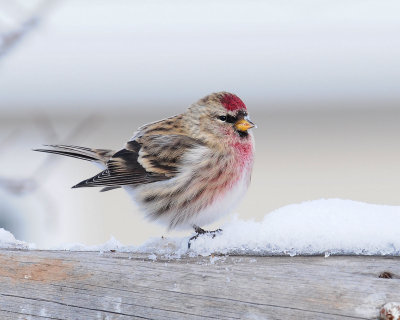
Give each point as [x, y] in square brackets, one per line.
[200, 231]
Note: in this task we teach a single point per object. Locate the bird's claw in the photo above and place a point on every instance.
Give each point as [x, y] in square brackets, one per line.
[199, 231]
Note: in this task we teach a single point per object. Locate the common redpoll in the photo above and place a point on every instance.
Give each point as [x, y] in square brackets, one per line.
[185, 171]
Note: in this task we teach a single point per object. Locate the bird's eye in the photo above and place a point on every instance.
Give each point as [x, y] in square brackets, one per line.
[222, 118]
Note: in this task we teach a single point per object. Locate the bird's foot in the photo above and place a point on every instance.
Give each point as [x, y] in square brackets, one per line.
[199, 231]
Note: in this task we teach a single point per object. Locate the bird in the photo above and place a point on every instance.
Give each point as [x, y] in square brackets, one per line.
[185, 171]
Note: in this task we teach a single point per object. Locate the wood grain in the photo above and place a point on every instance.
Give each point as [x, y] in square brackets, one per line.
[113, 286]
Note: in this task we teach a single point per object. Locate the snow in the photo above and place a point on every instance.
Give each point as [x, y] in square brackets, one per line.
[110, 245]
[316, 227]
[8, 241]
[319, 227]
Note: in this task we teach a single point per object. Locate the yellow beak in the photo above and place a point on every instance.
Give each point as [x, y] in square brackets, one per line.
[244, 125]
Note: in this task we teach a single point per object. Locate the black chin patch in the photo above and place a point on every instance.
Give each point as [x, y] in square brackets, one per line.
[242, 134]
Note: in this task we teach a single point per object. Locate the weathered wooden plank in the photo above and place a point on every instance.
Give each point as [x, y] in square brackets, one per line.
[92, 285]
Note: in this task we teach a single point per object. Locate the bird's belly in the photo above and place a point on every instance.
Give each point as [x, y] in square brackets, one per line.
[180, 211]
[223, 204]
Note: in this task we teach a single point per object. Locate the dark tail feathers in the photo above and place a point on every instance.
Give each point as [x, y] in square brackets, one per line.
[89, 154]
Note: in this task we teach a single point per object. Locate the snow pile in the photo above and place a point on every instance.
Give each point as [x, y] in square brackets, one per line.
[317, 227]
[8, 241]
[327, 227]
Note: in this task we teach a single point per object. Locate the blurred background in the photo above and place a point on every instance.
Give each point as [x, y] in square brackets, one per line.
[320, 78]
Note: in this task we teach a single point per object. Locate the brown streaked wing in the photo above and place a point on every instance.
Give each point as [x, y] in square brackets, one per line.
[162, 154]
[149, 159]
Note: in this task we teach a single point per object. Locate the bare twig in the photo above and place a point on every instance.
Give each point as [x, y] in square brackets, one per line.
[29, 185]
[22, 22]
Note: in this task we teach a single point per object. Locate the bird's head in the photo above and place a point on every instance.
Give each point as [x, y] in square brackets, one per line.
[220, 117]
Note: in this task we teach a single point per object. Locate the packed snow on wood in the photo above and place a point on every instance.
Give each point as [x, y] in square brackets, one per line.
[325, 227]
[8, 241]
[317, 227]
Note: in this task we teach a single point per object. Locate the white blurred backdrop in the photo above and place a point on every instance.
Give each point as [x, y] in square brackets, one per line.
[320, 78]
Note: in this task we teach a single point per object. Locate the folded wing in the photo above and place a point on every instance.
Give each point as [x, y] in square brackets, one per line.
[148, 159]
